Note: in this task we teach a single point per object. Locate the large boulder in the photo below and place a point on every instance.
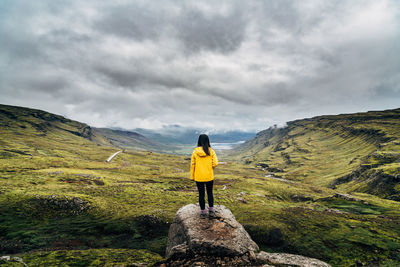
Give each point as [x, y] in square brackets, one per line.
[220, 236]
[220, 241]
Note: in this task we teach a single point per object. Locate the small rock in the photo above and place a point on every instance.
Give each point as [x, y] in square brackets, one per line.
[262, 165]
[17, 259]
[301, 198]
[284, 259]
[349, 197]
[272, 169]
[252, 255]
[335, 211]
[373, 231]
[55, 173]
[240, 199]
[179, 250]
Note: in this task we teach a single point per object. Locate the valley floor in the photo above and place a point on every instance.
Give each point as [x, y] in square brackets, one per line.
[62, 207]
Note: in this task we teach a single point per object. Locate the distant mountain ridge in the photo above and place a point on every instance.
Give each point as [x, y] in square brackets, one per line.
[175, 134]
[130, 139]
[353, 152]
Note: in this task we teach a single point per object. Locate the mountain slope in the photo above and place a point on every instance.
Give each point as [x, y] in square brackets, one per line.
[129, 139]
[19, 123]
[352, 152]
[28, 132]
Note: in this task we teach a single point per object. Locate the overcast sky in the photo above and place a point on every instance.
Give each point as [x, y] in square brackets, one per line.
[209, 64]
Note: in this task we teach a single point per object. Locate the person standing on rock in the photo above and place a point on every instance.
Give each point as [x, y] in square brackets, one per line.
[202, 165]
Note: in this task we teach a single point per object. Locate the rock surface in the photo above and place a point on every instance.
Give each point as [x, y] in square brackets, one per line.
[284, 259]
[9, 259]
[220, 236]
[220, 241]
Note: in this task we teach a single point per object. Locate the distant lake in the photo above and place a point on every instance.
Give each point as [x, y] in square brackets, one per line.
[225, 145]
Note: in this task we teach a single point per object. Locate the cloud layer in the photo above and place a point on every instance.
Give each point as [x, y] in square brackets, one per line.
[226, 65]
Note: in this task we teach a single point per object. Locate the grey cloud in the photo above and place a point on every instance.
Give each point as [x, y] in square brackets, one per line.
[196, 31]
[281, 13]
[280, 93]
[134, 75]
[121, 77]
[63, 39]
[269, 94]
[296, 18]
[131, 21]
[54, 85]
[13, 44]
[218, 33]
[225, 64]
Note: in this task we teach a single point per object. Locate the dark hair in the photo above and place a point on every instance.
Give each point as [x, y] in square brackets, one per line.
[204, 142]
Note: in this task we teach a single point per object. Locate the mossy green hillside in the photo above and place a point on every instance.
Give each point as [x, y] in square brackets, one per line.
[354, 152]
[48, 130]
[62, 196]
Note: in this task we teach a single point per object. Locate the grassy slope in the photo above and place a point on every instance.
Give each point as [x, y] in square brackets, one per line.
[355, 152]
[57, 193]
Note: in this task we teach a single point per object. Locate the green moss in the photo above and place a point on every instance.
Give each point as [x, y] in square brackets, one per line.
[90, 257]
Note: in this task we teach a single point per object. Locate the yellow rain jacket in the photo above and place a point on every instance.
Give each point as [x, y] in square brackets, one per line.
[202, 165]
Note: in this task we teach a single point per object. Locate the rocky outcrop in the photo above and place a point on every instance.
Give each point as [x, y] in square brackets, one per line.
[220, 241]
[220, 236]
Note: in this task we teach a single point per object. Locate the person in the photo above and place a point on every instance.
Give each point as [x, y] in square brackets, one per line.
[202, 165]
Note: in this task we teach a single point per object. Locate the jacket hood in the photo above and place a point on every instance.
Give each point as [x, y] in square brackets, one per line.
[200, 151]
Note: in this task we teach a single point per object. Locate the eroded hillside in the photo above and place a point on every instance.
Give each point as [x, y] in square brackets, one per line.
[352, 152]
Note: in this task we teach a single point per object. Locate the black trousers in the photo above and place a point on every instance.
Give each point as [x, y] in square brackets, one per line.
[210, 197]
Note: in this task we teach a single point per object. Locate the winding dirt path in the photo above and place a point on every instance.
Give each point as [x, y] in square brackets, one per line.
[113, 155]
